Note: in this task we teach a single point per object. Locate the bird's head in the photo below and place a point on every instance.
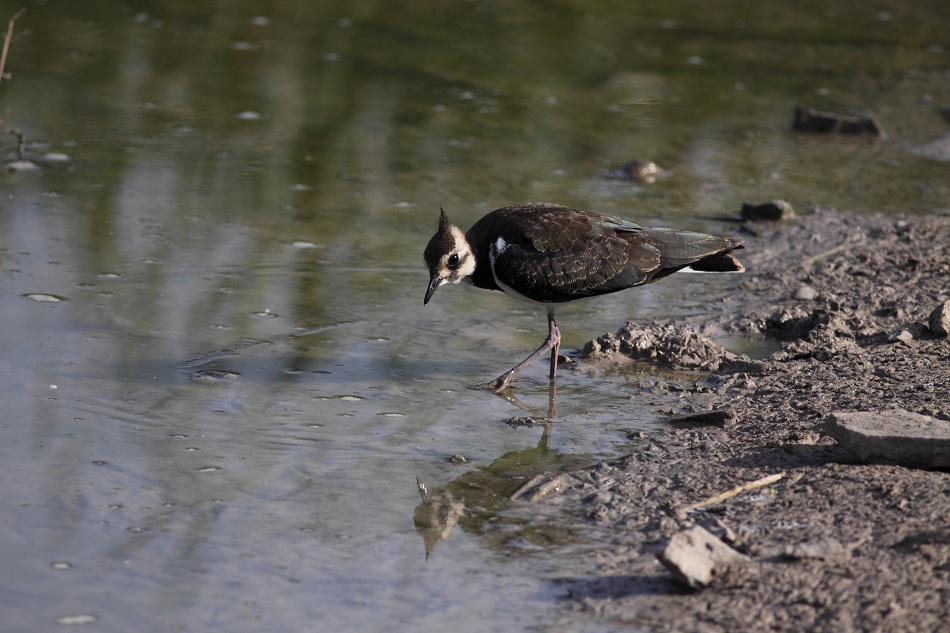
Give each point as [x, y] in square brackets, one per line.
[449, 256]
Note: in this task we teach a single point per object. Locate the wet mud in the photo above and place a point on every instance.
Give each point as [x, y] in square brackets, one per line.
[833, 544]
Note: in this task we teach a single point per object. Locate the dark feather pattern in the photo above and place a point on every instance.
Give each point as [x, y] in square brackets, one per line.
[557, 254]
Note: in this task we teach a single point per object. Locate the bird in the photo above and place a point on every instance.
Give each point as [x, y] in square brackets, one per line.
[550, 254]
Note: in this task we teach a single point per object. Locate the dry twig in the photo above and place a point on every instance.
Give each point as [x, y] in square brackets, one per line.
[734, 492]
[21, 141]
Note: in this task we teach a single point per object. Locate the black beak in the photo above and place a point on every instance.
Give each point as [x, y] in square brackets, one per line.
[433, 286]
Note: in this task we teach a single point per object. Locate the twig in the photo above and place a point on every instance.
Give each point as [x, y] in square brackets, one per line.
[734, 492]
[21, 140]
[526, 486]
[828, 253]
[6, 40]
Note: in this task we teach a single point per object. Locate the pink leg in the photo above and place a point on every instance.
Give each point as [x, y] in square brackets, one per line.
[552, 342]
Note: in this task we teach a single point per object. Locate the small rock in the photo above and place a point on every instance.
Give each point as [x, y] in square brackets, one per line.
[937, 149]
[940, 319]
[637, 170]
[806, 293]
[903, 335]
[21, 165]
[694, 556]
[773, 210]
[894, 436]
[720, 417]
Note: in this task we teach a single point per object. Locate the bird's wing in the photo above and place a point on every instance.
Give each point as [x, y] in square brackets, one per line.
[561, 257]
[682, 248]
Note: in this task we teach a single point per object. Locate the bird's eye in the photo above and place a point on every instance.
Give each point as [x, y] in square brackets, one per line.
[454, 260]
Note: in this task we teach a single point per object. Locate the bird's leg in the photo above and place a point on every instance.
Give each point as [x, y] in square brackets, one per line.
[552, 400]
[552, 342]
[554, 335]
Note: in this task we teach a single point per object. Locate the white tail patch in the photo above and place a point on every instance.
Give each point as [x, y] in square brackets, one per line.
[688, 269]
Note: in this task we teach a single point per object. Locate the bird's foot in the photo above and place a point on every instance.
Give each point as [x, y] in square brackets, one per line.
[497, 385]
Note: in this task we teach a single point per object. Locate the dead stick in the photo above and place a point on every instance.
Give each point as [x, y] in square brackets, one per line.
[734, 492]
[828, 253]
[21, 140]
[523, 488]
[6, 40]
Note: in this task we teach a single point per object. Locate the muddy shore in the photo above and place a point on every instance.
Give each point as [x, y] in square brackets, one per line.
[835, 544]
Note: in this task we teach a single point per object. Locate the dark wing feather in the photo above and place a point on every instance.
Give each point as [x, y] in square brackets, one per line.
[557, 254]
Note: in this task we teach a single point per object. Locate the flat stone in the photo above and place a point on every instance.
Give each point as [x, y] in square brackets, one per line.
[694, 556]
[939, 321]
[719, 417]
[894, 436]
[902, 335]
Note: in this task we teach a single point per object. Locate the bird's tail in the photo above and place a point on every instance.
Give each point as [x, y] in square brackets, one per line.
[718, 263]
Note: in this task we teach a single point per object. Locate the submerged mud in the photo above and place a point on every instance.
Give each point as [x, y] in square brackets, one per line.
[834, 544]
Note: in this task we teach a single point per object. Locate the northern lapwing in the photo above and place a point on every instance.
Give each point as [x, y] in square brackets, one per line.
[550, 254]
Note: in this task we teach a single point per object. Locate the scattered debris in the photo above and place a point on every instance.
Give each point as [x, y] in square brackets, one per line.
[894, 436]
[539, 486]
[811, 120]
[719, 417]
[906, 334]
[773, 211]
[526, 420]
[213, 376]
[695, 556]
[733, 492]
[873, 274]
[21, 165]
[937, 149]
[669, 345]
[638, 170]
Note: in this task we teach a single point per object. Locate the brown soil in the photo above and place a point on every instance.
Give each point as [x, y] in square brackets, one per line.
[850, 296]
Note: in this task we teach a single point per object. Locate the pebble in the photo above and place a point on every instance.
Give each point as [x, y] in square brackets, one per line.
[806, 293]
[939, 321]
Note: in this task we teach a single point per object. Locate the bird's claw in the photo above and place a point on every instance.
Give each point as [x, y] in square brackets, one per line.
[497, 385]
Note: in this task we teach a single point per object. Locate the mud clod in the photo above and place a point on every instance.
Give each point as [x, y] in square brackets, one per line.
[695, 556]
[671, 346]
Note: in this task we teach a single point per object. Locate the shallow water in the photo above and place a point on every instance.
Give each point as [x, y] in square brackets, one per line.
[220, 383]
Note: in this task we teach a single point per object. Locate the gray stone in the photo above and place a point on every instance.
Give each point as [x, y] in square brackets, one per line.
[806, 293]
[894, 436]
[902, 335]
[694, 556]
[940, 319]
[725, 418]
